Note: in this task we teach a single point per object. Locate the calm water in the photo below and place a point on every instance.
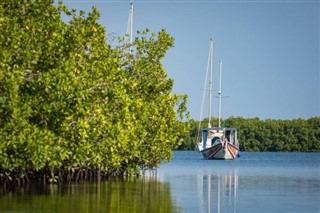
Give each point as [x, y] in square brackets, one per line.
[255, 182]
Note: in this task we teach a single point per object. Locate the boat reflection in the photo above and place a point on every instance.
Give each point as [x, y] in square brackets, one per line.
[218, 193]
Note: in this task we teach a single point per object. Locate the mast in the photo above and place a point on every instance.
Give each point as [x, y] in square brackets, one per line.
[130, 23]
[220, 92]
[210, 81]
[209, 67]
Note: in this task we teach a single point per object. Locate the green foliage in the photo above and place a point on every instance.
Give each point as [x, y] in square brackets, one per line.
[297, 135]
[71, 105]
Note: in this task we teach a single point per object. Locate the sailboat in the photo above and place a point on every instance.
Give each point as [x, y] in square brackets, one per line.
[217, 142]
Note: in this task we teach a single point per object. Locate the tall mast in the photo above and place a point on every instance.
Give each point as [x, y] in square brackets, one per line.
[210, 81]
[209, 67]
[130, 23]
[220, 92]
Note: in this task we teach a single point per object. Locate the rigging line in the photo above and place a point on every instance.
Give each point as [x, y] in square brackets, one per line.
[203, 95]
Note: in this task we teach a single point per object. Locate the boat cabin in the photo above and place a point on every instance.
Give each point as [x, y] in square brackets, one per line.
[215, 135]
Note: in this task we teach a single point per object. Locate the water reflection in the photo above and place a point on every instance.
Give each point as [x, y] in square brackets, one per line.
[131, 195]
[218, 193]
[256, 182]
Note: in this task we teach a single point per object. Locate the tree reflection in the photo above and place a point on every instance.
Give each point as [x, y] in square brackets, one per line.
[144, 194]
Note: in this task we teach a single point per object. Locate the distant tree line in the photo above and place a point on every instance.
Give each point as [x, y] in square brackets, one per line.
[254, 134]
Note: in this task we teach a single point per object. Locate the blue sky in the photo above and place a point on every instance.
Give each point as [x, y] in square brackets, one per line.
[270, 50]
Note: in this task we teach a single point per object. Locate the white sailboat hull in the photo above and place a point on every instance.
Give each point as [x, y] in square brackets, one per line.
[221, 151]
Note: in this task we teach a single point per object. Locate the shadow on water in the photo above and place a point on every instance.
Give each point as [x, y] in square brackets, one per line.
[144, 194]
